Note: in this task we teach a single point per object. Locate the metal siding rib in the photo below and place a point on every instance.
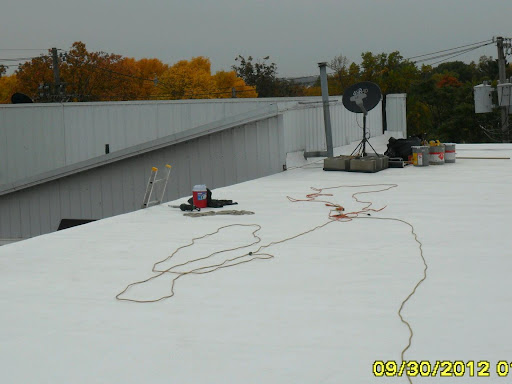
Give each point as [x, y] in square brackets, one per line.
[65, 201]
[217, 171]
[240, 152]
[263, 147]
[35, 214]
[127, 195]
[106, 192]
[44, 209]
[116, 177]
[95, 194]
[15, 230]
[84, 191]
[194, 163]
[5, 219]
[5, 168]
[208, 161]
[75, 203]
[228, 157]
[184, 170]
[25, 216]
[250, 151]
[53, 191]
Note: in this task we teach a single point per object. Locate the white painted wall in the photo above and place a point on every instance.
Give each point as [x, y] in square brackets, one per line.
[396, 115]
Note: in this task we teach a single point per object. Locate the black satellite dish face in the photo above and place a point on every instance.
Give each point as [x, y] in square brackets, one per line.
[20, 98]
[362, 97]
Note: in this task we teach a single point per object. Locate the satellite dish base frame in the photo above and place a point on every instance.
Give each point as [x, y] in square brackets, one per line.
[362, 144]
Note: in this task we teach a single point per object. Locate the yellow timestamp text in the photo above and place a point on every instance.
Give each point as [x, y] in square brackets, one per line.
[442, 368]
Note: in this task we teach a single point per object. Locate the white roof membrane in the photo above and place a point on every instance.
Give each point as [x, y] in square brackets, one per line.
[323, 309]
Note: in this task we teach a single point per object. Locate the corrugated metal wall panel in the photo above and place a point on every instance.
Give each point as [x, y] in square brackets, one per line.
[43, 137]
[24, 145]
[220, 159]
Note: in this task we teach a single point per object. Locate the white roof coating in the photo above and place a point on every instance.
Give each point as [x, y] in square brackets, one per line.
[322, 310]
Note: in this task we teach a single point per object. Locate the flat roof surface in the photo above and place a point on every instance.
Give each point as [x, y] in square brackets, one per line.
[322, 310]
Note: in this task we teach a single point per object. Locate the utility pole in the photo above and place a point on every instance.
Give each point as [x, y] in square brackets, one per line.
[503, 79]
[56, 74]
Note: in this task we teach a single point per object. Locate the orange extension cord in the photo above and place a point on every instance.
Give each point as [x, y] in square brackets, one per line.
[336, 213]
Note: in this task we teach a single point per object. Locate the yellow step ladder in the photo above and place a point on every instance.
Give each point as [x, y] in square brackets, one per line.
[147, 202]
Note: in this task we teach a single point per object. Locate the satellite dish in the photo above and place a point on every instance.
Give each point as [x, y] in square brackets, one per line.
[362, 97]
[20, 98]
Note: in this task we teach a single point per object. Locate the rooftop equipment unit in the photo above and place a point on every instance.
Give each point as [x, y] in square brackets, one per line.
[505, 94]
[483, 98]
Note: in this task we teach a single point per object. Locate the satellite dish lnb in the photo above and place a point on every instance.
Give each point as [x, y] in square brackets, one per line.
[362, 97]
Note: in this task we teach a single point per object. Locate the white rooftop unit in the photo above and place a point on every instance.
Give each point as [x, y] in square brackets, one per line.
[505, 94]
[483, 98]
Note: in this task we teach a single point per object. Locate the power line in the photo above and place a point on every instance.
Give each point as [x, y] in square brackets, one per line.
[458, 54]
[450, 49]
[453, 53]
[23, 58]
[23, 49]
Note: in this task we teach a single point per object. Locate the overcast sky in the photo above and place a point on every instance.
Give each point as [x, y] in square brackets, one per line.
[297, 34]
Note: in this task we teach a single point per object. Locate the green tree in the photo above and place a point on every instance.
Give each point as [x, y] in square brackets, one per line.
[7, 88]
[263, 75]
[462, 71]
[487, 69]
[259, 74]
[390, 71]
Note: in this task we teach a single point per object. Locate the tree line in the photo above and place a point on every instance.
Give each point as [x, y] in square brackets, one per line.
[439, 99]
[99, 76]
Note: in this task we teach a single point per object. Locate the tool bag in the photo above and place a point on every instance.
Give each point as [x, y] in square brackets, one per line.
[402, 147]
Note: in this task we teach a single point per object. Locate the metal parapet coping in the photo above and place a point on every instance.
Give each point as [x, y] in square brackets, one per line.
[175, 138]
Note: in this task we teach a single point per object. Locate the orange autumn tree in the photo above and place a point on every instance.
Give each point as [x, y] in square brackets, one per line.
[31, 74]
[91, 76]
[100, 76]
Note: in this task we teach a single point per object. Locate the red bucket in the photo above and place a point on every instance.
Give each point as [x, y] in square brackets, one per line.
[199, 196]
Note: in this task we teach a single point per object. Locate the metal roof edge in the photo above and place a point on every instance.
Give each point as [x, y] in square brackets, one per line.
[268, 111]
[157, 102]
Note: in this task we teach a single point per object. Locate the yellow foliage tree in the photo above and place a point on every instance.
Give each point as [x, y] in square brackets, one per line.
[188, 80]
[8, 86]
[151, 69]
[192, 79]
[226, 81]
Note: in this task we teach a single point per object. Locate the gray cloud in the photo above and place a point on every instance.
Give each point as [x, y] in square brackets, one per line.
[295, 33]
